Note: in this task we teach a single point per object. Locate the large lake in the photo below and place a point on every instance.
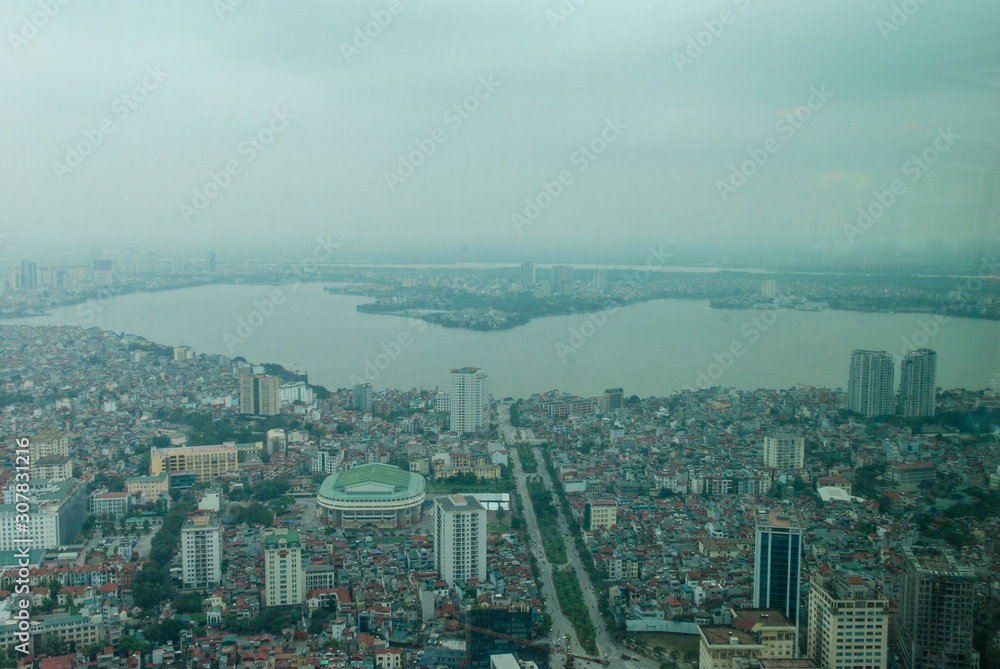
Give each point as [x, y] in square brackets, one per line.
[651, 348]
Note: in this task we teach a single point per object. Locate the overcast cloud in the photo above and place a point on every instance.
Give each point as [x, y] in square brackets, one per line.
[338, 119]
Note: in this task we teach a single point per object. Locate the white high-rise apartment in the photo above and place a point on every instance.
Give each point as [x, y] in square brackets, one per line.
[848, 622]
[784, 451]
[527, 274]
[470, 399]
[284, 575]
[201, 552]
[917, 384]
[459, 539]
[871, 385]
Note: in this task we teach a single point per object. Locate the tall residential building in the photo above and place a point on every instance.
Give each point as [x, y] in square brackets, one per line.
[768, 288]
[848, 622]
[205, 462]
[29, 274]
[470, 399]
[601, 280]
[201, 552]
[210, 261]
[615, 398]
[527, 274]
[49, 442]
[917, 384]
[778, 562]
[45, 445]
[937, 603]
[459, 539]
[784, 451]
[562, 279]
[284, 576]
[363, 397]
[260, 394]
[871, 384]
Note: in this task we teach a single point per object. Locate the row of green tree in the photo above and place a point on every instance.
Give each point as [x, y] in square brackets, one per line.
[526, 455]
[547, 517]
[574, 608]
[598, 578]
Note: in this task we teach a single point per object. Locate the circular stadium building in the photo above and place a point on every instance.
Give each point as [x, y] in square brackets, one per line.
[375, 495]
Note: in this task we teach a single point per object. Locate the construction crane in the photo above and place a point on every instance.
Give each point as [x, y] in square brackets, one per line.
[524, 642]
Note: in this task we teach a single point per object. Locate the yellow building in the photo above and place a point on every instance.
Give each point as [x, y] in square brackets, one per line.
[206, 462]
[771, 627]
[848, 622]
[722, 646]
[259, 394]
[601, 513]
[152, 488]
[49, 442]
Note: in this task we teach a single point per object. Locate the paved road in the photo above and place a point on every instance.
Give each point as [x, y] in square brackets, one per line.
[561, 627]
[605, 643]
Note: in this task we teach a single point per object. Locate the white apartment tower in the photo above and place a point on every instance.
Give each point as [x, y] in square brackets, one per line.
[470, 399]
[870, 388]
[784, 451]
[917, 384]
[201, 552]
[459, 539]
[284, 575]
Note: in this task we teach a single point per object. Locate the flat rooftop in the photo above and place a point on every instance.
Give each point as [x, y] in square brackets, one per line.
[459, 503]
[722, 635]
[769, 617]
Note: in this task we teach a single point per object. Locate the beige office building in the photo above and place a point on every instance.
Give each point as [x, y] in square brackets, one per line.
[206, 462]
[848, 622]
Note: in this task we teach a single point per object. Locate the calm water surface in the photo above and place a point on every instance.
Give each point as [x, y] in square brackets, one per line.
[651, 348]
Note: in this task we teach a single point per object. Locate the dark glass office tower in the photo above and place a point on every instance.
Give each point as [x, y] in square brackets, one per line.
[778, 563]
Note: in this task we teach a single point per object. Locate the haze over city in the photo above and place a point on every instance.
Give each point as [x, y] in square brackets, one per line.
[508, 334]
[181, 91]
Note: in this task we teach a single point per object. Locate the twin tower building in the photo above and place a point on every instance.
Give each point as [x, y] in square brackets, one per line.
[871, 388]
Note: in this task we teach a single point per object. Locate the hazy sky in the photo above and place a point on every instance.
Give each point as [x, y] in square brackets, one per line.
[162, 95]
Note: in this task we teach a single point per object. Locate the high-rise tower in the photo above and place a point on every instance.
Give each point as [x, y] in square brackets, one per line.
[778, 562]
[871, 384]
[917, 384]
[470, 399]
[936, 608]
